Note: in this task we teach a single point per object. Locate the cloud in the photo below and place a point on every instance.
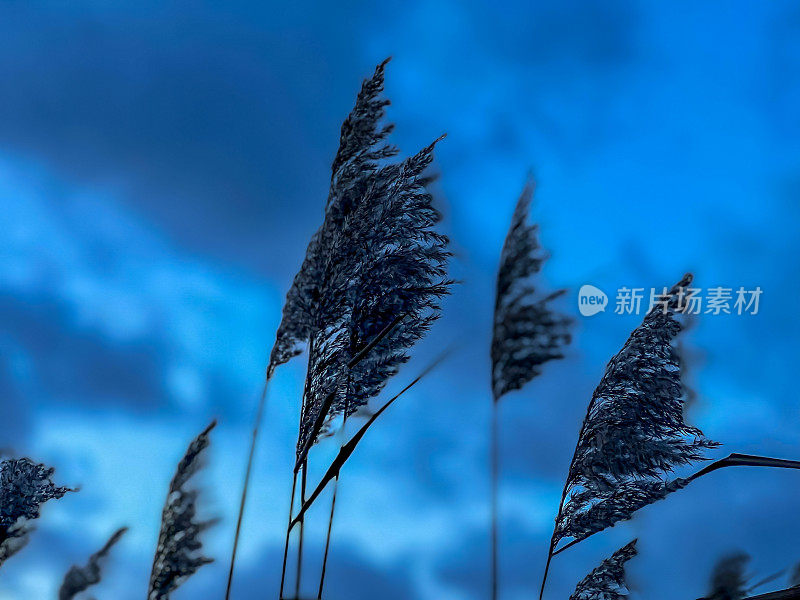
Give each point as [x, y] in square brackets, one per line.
[105, 311]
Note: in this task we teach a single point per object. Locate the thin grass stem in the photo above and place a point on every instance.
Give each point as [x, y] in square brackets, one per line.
[328, 540]
[333, 500]
[495, 476]
[288, 534]
[245, 488]
[346, 451]
[303, 479]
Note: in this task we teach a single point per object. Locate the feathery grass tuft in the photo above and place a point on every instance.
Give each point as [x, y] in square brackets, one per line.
[374, 274]
[634, 433]
[361, 147]
[79, 579]
[375, 261]
[527, 332]
[729, 581]
[178, 554]
[388, 269]
[24, 487]
[607, 582]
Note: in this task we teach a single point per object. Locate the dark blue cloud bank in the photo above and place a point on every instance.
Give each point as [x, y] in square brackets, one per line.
[161, 168]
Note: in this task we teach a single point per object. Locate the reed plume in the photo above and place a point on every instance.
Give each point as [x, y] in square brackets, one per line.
[371, 276]
[179, 551]
[361, 147]
[607, 582]
[385, 276]
[527, 333]
[634, 434]
[728, 580]
[79, 579]
[24, 487]
[374, 273]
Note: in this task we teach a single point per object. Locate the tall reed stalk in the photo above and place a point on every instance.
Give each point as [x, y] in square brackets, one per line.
[369, 286]
[246, 485]
[634, 435]
[178, 554]
[527, 333]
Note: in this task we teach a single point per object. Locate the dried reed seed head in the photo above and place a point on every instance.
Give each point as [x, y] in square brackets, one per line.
[24, 487]
[81, 578]
[375, 261]
[179, 550]
[729, 580]
[607, 582]
[361, 148]
[527, 333]
[634, 434]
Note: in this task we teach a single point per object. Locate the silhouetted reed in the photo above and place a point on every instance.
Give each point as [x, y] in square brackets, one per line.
[313, 301]
[527, 333]
[373, 275]
[179, 551]
[634, 434]
[80, 578]
[607, 582]
[730, 581]
[24, 487]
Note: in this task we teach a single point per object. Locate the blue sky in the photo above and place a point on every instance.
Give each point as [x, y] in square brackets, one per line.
[163, 165]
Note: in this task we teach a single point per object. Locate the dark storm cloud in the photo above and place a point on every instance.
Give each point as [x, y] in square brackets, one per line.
[221, 126]
[16, 411]
[221, 121]
[74, 366]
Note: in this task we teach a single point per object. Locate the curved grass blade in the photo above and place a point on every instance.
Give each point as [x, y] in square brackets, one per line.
[346, 451]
